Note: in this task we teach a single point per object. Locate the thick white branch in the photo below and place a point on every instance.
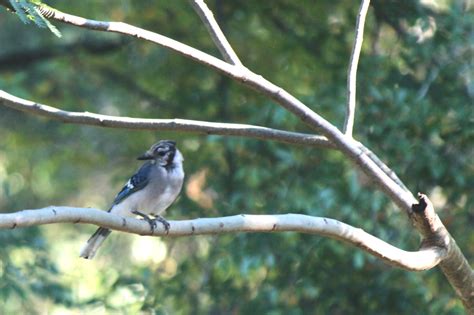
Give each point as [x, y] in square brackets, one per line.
[194, 126]
[352, 72]
[215, 31]
[404, 199]
[420, 260]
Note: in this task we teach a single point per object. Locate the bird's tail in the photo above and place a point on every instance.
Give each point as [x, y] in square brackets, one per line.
[94, 242]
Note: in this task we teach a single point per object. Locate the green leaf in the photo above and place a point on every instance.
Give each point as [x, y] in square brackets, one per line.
[29, 11]
[20, 11]
[47, 24]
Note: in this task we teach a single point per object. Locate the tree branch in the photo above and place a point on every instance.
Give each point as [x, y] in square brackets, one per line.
[382, 166]
[401, 197]
[352, 72]
[420, 260]
[137, 32]
[193, 126]
[207, 17]
[455, 266]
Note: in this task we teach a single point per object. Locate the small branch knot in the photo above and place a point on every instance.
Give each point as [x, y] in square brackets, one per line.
[421, 205]
[429, 224]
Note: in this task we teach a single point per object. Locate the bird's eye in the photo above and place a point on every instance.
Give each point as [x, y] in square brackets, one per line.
[161, 153]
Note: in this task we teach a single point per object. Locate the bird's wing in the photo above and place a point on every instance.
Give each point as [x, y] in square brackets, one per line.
[137, 182]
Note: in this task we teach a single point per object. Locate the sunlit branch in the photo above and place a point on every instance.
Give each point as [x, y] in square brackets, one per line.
[404, 199]
[215, 31]
[352, 72]
[423, 259]
[193, 126]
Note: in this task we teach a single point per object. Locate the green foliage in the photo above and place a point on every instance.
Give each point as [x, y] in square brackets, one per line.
[28, 11]
[413, 112]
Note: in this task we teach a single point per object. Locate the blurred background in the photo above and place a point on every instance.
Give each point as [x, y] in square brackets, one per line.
[415, 111]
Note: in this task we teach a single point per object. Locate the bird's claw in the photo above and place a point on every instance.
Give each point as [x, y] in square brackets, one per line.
[163, 221]
[153, 222]
[145, 217]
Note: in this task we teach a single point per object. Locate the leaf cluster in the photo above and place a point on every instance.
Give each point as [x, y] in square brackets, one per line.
[28, 11]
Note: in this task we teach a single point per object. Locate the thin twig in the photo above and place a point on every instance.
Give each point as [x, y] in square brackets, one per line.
[423, 259]
[207, 17]
[194, 126]
[352, 72]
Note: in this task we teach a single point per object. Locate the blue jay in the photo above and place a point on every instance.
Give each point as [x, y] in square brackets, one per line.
[150, 191]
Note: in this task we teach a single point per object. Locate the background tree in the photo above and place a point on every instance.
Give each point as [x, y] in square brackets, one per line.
[414, 93]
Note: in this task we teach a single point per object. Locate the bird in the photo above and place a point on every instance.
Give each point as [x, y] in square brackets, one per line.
[150, 191]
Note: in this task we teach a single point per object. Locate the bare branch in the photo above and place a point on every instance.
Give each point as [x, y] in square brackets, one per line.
[207, 17]
[352, 72]
[130, 30]
[424, 259]
[383, 166]
[454, 265]
[402, 198]
[193, 126]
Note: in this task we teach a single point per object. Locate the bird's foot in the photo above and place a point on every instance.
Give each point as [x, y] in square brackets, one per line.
[145, 217]
[163, 221]
[153, 221]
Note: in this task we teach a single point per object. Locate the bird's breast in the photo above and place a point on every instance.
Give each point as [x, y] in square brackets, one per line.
[166, 191]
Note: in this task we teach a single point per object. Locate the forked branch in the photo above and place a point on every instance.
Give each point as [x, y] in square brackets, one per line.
[207, 17]
[404, 199]
[453, 263]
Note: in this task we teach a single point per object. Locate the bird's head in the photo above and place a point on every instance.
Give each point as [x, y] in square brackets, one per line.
[163, 152]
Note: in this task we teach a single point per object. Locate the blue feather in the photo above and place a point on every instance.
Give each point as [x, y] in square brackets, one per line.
[137, 182]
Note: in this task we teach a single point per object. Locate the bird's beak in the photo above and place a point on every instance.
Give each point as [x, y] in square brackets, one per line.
[145, 156]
